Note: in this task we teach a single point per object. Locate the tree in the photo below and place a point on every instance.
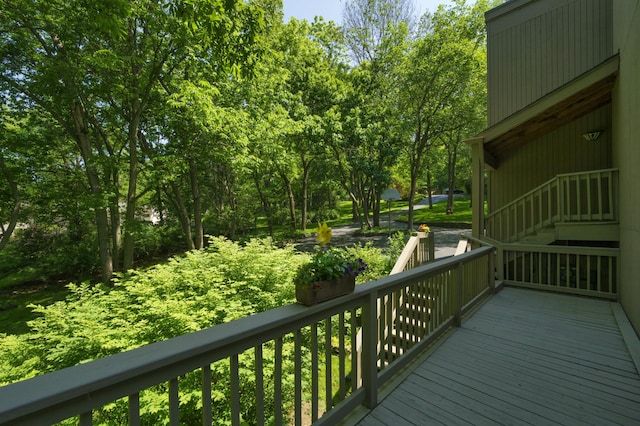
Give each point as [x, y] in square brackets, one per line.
[373, 31]
[437, 69]
[94, 67]
[368, 24]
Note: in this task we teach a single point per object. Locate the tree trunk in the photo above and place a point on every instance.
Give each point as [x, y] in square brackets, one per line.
[183, 214]
[376, 209]
[130, 214]
[15, 211]
[292, 201]
[306, 167]
[365, 197]
[115, 234]
[197, 204]
[265, 204]
[114, 217]
[102, 221]
[451, 174]
[429, 189]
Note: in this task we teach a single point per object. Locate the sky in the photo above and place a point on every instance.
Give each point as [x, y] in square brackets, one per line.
[332, 9]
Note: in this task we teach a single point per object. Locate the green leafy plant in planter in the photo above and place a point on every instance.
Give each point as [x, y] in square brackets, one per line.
[330, 273]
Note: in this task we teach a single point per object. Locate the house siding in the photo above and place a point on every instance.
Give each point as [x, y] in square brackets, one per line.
[626, 127]
[561, 151]
[534, 50]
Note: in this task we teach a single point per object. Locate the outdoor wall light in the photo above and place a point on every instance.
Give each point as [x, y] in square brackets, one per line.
[592, 136]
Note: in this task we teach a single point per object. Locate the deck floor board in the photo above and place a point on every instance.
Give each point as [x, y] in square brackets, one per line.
[525, 357]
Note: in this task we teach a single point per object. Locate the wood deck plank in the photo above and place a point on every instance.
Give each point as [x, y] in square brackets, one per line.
[561, 386]
[551, 362]
[524, 385]
[611, 360]
[524, 357]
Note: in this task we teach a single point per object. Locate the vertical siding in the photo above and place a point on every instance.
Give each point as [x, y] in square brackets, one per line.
[626, 107]
[536, 49]
[561, 151]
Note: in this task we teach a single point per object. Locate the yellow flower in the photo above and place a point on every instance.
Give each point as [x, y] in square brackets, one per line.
[324, 234]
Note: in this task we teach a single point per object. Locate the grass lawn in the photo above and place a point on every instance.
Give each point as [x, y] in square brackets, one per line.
[438, 214]
[15, 312]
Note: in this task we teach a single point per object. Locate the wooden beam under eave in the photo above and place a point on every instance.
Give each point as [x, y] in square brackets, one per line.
[555, 117]
[490, 160]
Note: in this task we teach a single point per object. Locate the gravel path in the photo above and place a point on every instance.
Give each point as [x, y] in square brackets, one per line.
[446, 239]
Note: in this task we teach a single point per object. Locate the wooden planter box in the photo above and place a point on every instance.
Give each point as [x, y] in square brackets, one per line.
[325, 290]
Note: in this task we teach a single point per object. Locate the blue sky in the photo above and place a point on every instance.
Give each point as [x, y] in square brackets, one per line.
[332, 9]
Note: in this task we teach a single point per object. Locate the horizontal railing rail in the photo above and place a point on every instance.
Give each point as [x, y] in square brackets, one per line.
[573, 197]
[306, 344]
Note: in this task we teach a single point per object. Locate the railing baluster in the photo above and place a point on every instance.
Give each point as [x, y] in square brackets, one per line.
[298, 377]
[86, 419]
[387, 356]
[599, 277]
[600, 203]
[612, 211]
[314, 372]
[384, 306]
[174, 402]
[235, 390]
[355, 353]
[207, 416]
[259, 385]
[327, 365]
[589, 273]
[134, 409]
[342, 353]
[611, 275]
[277, 382]
[369, 359]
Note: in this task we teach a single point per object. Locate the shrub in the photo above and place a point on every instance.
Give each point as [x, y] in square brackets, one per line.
[191, 292]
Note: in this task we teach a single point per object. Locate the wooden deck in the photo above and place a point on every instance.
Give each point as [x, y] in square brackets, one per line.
[525, 357]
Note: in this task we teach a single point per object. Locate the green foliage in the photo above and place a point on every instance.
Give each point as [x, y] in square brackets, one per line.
[328, 264]
[200, 289]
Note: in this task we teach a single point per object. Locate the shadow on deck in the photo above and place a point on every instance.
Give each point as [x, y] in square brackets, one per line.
[524, 357]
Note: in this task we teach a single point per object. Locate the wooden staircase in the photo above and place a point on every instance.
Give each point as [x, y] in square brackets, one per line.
[570, 207]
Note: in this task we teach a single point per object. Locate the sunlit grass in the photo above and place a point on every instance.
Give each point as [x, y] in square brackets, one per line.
[438, 214]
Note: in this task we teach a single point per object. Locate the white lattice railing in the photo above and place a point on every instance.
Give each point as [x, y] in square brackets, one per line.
[272, 364]
[575, 197]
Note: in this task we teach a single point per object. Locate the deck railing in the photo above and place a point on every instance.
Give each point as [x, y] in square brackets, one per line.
[589, 271]
[311, 347]
[575, 197]
[585, 271]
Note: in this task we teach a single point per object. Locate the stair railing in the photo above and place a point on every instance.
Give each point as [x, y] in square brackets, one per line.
[571, 197]
[419, 250]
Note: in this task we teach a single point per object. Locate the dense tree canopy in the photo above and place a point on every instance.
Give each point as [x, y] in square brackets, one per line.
[136, 127]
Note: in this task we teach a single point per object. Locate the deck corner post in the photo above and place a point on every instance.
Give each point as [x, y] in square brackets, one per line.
[369, 350]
